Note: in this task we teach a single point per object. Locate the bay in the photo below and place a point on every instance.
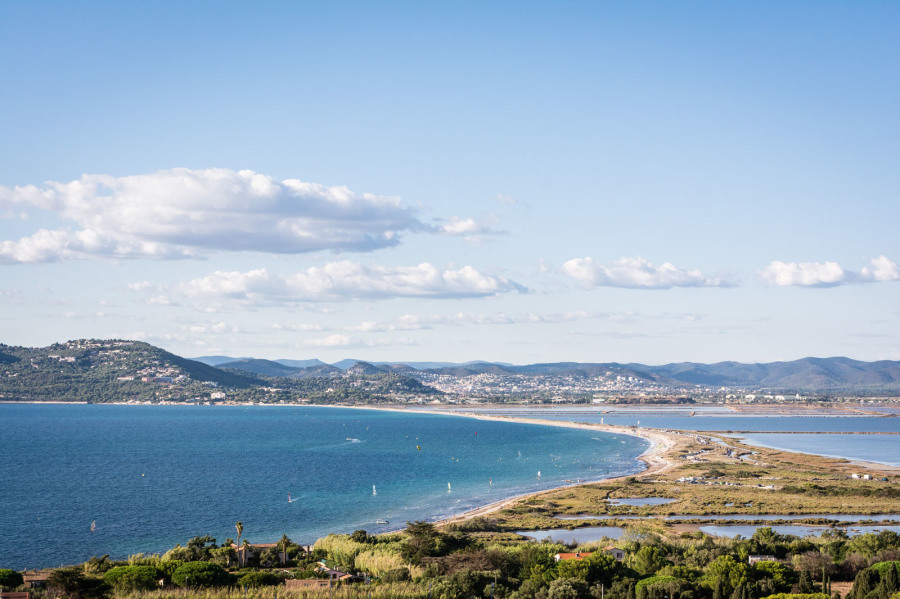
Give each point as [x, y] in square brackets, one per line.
[154, 476]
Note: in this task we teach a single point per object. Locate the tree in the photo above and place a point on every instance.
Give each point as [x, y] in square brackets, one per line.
[239, 526]
[567, 588]
[259, 579]
[73, 584]
[421, 541]
[284, 542]
[864, 583]
[805, 585]
[200, 574]
[647, 560]
[133, 578]
[9, 579]
[727, 571]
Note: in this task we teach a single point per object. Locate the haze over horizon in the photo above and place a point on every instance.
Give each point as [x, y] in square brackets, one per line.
[510, 182]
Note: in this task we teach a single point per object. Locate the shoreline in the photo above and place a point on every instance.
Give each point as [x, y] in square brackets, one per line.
[655, 457]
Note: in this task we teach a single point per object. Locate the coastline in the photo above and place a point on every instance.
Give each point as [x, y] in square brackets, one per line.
[656, 456]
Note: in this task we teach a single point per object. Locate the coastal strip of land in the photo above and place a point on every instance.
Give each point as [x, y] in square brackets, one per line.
[675, 456]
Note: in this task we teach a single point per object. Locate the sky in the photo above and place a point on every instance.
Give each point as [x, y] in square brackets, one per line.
[419, 181]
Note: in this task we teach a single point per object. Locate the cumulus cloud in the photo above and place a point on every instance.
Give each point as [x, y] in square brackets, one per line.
[470, 229]
[337, 281]
[828, 274]
[636, 273]
[183, 212]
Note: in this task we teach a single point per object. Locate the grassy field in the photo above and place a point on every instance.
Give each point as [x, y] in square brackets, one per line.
[713, 475]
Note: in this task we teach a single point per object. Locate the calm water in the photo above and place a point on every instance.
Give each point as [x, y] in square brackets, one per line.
[884, 449]
[797, 530]
[575, 536]
[154, 476]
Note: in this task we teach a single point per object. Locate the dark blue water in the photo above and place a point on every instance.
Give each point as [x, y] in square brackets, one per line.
[884, 449]
[154, 476]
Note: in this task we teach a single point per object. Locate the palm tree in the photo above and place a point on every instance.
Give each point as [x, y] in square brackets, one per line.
[240, 530]
[245, 549]
[285, 541]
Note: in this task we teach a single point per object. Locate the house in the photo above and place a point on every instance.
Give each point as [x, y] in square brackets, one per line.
[35, 578]
[337, 575]
[614, 551]
[306, 583]
[566, 556]
[761, 558]
[617, 554]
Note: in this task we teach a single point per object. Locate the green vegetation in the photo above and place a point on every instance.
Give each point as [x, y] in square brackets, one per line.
[102, 371]
[9, 579]
[426, 561]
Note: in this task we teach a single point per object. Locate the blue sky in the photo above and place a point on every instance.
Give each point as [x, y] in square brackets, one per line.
[508, 181]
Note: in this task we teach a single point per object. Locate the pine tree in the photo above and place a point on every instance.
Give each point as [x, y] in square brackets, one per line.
[805, 585]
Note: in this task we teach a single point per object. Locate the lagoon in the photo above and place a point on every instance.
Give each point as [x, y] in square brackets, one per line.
[806, 432]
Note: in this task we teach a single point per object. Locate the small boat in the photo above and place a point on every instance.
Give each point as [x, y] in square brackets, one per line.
[374, 492]
[382, 522]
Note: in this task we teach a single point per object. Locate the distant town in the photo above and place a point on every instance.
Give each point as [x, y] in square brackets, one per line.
[122, 371]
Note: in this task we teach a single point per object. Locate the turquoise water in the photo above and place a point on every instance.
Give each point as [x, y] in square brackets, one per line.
[154, 476]
[884, 449]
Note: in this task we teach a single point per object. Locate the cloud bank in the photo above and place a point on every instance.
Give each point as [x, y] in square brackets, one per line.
[336, 281]
[182, 213]
[828, 274]
[636, 273]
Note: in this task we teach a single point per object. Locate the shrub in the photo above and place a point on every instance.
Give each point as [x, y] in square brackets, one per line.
[133, 578]
[9, 579]
[200, 574]
[259, 579]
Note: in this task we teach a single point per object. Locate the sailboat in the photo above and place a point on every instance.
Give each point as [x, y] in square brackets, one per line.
[539, 473]
[93, 525]
[448, 488]
[374, 492]
[289, 498]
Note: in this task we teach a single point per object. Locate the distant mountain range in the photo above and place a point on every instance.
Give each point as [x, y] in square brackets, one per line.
[806, 374]
[96, 370]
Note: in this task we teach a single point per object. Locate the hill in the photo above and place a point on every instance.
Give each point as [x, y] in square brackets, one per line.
[102, 371]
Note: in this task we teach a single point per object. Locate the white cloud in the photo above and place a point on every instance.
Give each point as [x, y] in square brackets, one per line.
[472, 230]
[412, 322]
[883, 269]
[504, 198]
[636, 273]
[827, 274]
[336, 281]
[345, 341]
[297, 328]
[182, 212]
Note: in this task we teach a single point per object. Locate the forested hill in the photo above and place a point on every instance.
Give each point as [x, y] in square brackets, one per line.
[100, 371]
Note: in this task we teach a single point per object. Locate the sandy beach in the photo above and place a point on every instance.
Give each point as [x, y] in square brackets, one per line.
[656, 457]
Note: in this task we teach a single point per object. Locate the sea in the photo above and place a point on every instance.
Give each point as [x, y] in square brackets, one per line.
[87, 480]
[872, 435]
